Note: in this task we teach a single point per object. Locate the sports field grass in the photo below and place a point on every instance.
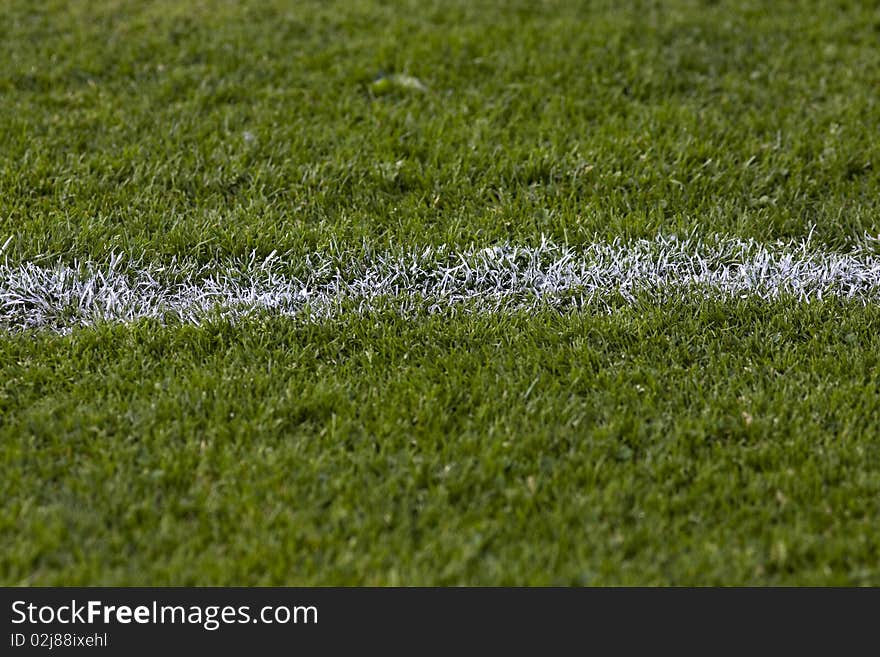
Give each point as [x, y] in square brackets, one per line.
[439, 293]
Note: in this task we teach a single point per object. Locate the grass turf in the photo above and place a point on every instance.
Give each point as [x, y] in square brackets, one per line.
[696, 442]
[707, 444]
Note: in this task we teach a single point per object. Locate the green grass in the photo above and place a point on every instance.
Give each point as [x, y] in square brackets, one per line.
[702, 442]
[711, 444]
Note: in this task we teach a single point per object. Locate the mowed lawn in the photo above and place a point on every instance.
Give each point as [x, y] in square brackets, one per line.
[703, 440]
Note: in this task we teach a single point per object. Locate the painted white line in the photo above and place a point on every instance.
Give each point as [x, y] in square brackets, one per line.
[61, 297]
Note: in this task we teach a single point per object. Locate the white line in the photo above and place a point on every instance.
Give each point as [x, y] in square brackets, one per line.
[61, 297]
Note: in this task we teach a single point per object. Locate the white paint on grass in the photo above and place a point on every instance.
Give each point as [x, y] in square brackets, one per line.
[60, 297]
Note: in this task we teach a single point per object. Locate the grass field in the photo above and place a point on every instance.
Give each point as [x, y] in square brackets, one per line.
[319, 293]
